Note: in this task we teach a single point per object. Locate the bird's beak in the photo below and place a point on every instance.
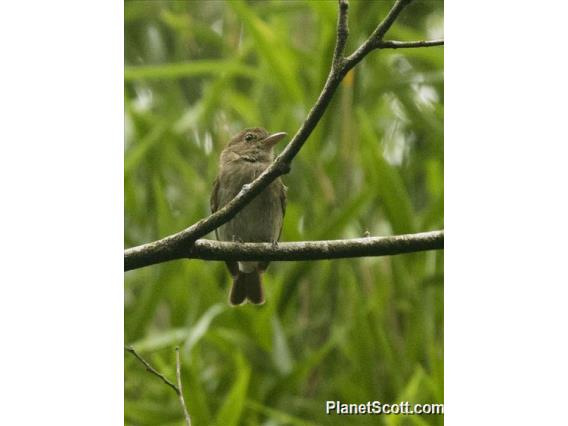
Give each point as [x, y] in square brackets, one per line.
[273, 139]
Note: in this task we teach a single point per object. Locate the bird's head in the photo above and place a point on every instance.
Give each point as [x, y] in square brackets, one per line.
[255, 141]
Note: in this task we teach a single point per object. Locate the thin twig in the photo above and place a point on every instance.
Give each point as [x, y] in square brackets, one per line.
[300, 250]
[394, 44]
[176, 246]
[385, 25]
[177, 389]
[151, 369]
[180, 388]
[377, 36]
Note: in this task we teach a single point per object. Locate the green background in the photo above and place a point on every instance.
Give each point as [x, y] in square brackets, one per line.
[356, 330]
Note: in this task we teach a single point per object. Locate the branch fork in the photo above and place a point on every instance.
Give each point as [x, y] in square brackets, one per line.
[178, 389]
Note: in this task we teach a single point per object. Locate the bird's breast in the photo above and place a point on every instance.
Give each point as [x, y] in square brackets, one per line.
[261, 219]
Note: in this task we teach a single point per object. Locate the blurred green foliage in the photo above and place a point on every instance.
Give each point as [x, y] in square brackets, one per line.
[197, 72]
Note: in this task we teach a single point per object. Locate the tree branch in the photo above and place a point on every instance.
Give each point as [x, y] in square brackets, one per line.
[177, 389]
[302, 250]
[342, 34]
[393, 44]
[176, 246]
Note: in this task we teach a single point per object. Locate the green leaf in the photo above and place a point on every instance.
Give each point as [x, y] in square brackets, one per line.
[280, 351]
[166, 339]
[271, 48]
[386, 179]
[280, 416]
[232, 408]
[135, 154]
[203, 67]
[198, 330]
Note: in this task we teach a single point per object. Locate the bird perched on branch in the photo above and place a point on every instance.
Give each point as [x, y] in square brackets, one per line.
[245, 157]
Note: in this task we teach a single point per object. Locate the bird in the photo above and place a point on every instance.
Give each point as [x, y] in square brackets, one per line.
[245, 157]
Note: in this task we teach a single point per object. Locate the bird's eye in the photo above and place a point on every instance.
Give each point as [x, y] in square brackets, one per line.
[249, 137]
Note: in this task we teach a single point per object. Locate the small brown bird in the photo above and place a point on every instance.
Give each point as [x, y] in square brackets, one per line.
[245, 157]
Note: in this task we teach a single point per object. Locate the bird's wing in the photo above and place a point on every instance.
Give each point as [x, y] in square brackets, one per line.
[214, 200]
[283, 190]
[214, 204]
[283, 194]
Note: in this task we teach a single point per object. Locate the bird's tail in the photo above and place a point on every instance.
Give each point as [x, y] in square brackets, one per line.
[247, 286]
